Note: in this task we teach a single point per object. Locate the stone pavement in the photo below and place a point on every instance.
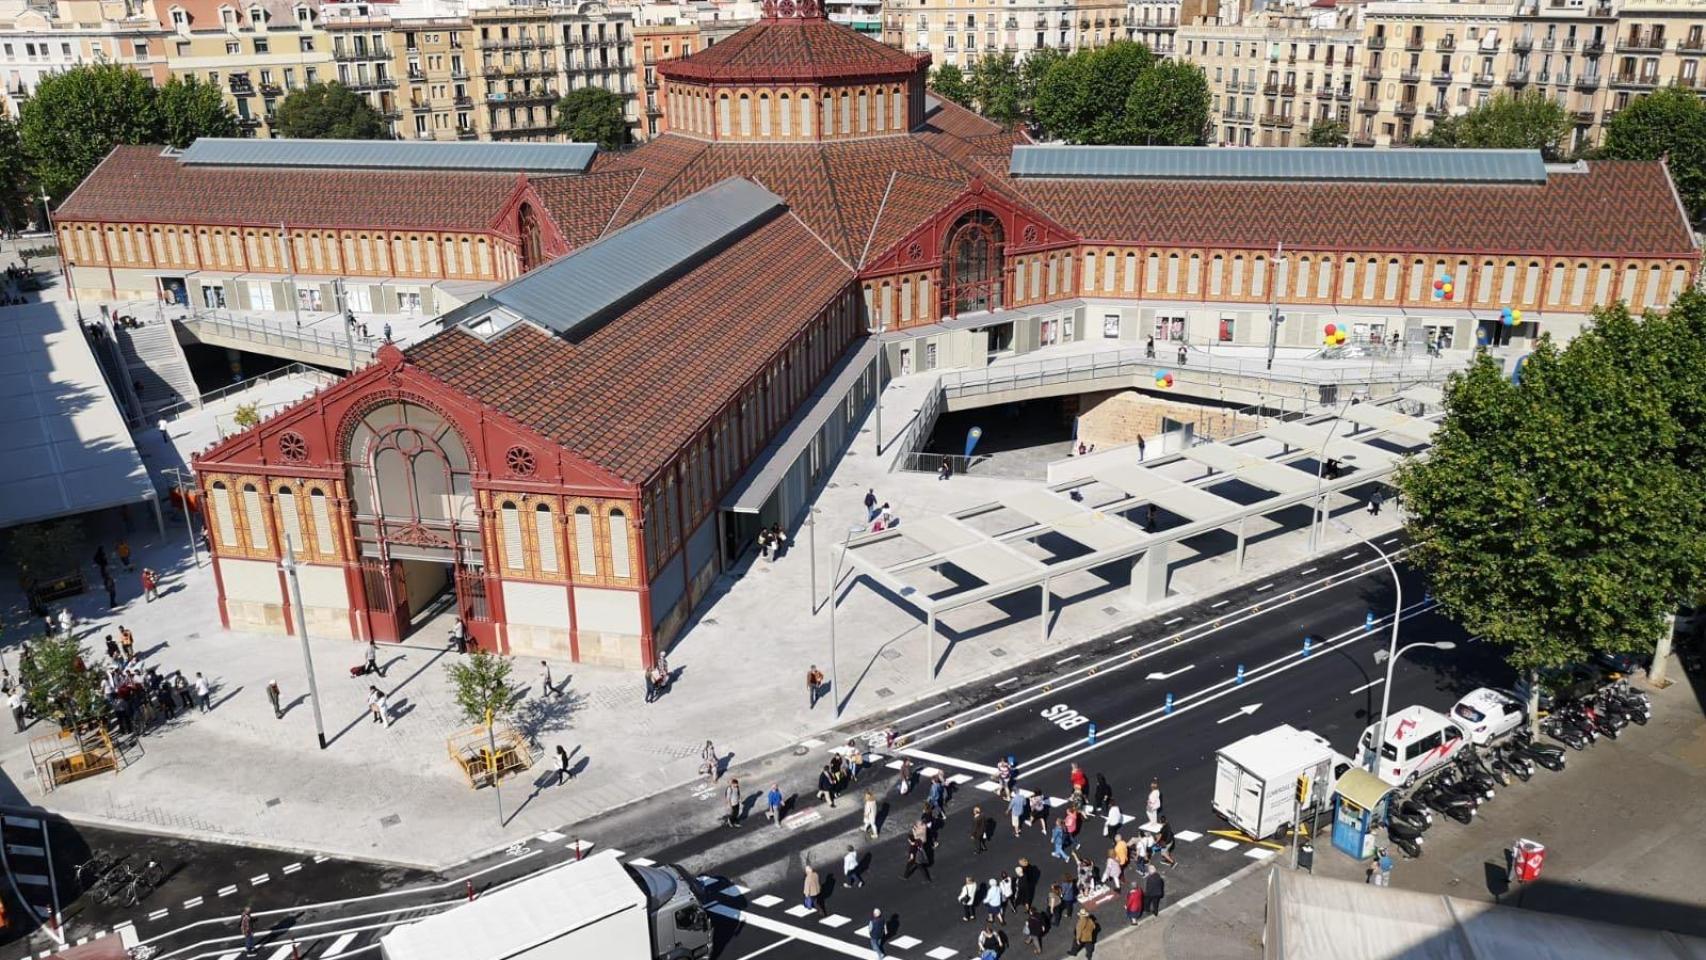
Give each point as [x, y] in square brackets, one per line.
[1622, 846]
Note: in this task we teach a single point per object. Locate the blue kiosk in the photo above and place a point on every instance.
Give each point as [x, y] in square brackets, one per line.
[1359, 806]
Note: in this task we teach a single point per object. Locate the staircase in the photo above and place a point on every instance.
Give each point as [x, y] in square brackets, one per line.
[154, 358]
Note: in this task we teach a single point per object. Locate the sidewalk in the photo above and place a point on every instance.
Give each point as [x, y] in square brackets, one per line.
[1617, 851]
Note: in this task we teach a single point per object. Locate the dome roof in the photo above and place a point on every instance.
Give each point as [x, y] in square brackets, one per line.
[795, 42]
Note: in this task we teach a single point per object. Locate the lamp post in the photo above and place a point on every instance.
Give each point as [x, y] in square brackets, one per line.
[189, 515]
[1320, 468]
[65, 266]
[878, 325]
[834, 579]
[289, 565]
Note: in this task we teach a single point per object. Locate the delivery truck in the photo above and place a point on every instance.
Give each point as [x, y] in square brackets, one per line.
[1256, 780]
[598, 907]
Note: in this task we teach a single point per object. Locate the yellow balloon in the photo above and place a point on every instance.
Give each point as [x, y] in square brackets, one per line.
[1516, 315]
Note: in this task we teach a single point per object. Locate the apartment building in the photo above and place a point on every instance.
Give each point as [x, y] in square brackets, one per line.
[1274, 74]
[519, 66]
[658, 42]
[959, 31]
[1658, 43]
[1155, 23]
[598, 51]
[37, 40]
[434, 58]
[255, 52]
[364, 60]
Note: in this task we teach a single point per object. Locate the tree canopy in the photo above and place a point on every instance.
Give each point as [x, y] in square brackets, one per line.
[190, 109]
[1117, 94]
[593, 115]
[1669, 123]
[1168, 105]
[1560, 515]
[76, 117]
[58, 682]
[329, 111]
[482, 686]
[1036, 65]
[950, 84]
[1329, 133]
[1522, 121]
[995, 88]
[15, 182]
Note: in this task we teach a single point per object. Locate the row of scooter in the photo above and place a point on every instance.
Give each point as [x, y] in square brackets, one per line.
[1458, 789]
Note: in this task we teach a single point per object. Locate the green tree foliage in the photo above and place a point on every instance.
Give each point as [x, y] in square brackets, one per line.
[1561, 516]
[1329, 133]
[329, 111]
[995, 88]
[76, 118]
[1523, 121]
[1063, 104]
[48, 549]
[482, 686]
[1668, 123]
[593, 115]
[947, 82]
[190, 109]
[59, 683]
[15, 182]
[1168, 106]
[1031, 72]
[246, 415]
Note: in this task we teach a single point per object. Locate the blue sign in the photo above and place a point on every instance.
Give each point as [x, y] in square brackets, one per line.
[972, 437]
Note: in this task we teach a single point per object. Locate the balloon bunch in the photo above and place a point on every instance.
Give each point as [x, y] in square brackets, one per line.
[1444, 288]
[1510, 317]
[1333, 336]
[1163, 380]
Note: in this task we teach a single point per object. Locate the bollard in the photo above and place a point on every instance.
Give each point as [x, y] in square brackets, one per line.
[1368, 621]
[577, 846]
[1090, 737]
[1427, 596]
[470, 884]
[1306, 642]
[1168, 706]
[1240, 678]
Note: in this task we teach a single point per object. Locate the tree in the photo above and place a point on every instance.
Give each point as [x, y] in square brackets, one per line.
[593, 115]
[1559, 516]
[1523, 121]
[76, 117]
[329, 111]
[189, 109]
[994, 85]
[1329, 133]
[246, 415]
[47, 549]
[1037, 64]
[1061, 104]
[482, 686]
[1669, 123]
[1083, 98]
[15, 200]
[947, 82]
[1168, 106]
[59, 684]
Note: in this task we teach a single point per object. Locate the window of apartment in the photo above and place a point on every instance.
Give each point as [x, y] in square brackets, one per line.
[65, 50]
[180, 19]
[8, 49]
[183, 48]
[262, 45]
[306, 43]
[233, 47]
[213, 77]
[311, 75]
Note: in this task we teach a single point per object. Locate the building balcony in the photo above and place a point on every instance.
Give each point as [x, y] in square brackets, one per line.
[1441, 77]
[509, 43]
[271, 90]
[1608, 114]
[1368, 106]
[1435, 111]
[363, 53]
[1410, 75]
[521, 97]
[518, 70]
[1522, 44]
[467, 133]
[1635, 81]
[1642, 44]
[1371, 73]
[1377, 42]
[1270, 88]
[1593, 48]
[1362, 139]
[1344, 96]
[1275, 120]
[420, 106]
[464, 101]
[1582, 116]
[242, 89]
[1324, 94]
[1690, 83]
[1548, 43]
[249, 122]
[652, 110]
[1483, 80]
[524, 129]
[1405, 109]
[370, 83]
[1445, 44]
[1691, 45]
[1517, 78]
[1288, 90]
[1588, 81]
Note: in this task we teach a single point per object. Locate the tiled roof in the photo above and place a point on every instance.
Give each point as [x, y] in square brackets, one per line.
[141, 184]
[961, 133]
[911, 201]
[793, 49]
[581, 207]
[1613, 208]
[631, 394]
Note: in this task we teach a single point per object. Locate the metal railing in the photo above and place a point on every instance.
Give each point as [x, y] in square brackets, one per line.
[916, 462]
[922, 424]
[290, 370]
[335, 349]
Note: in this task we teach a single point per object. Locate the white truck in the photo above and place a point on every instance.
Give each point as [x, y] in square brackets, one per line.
[594, 908]
[1256, 778]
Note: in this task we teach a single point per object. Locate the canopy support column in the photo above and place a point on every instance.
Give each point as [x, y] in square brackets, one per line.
[1149, 576]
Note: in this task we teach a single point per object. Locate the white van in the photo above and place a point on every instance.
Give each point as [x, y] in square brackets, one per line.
[1416, 741]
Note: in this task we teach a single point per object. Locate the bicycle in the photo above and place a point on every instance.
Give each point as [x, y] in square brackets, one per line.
[90, 871]
[140, 885]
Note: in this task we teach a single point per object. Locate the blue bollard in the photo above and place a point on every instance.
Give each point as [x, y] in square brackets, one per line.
[1368, 621]
[1427, 596]
[1168, 707]
[1240, 677]
[1306, 645]
[1090, 738]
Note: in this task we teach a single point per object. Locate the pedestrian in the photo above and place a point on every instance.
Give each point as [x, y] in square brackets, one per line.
[968, 900]
[855, 757]
[101, 558]
[1140, 448]
[167, 436]
[850, 868]
[459, 636]
[1039, 812]
[1154, 888]
[387, 331]
[272, 696]
[937, 798]
[1149, 349]
[1104, 796]
[550, 689]
[813, 890]
[564, 773]
[731, 797]
[372, 663]
[1056, 903]
[111, 587]
[16, 702]
[870, 504]
[773, 804]
[1068, 894]
[1036, 925]
[373, 704]
[1059, 841]
[245, 923]
[879, 932]
[1004, 779]
[916, 859]
[123, 552]
[778, 540]
[203, 692]
[764, 544]
[979, 830]
[181, 688]
[112, 649]
[127, 642]
[1152, 805]
[1073, 820]
[995, 902]
[1024, 881]
[651, 684]
[905, 785]
[708, 762]
[65, 620]
[1115, 817]
[944, 471]
[1134, 903]
[1016, 811]
[1084, 933]
[990, 942]
[1080, 784]
[1374, 503]
[383, 705]
[1111, 871]
[826, 786]
[150, 585]
[814, 685]
[869, 820]
[1163, 846]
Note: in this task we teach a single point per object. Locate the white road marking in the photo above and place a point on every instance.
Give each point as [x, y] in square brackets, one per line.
[227, 891]
[929, 772]
[1265, 586]
[950, 761]
[1170, 675]
[802, 819]
[618, 854]
[1372, 683]
[798, 910]
[1189, 836]
[1223, 845]
[958, 779]
[1066, 660]
[1389, 541]
[192, 903]
[942, 953]
[921, 712]
[1008, 682]
[1304, 573]
[1258, 853]
[321, 858]
[762, 950]
[1217, 606]
[894, 764]
[257, 881]
[905, 942]
[1244, 711]
[1348, 555]
[643, 862]
[290, 868]
[767, 900]
[158, 914]
[989, 786]
[338, 946]
[282, 952]
[835, 921]
[551, 836]
[1168, 623]
[789, 930]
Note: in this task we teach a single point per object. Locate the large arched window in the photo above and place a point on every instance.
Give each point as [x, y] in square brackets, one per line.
[972, 262]
[531, 253]
[412, 483]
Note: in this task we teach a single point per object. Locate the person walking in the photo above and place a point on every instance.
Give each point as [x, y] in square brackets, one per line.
[1374, 503]
[371, 663]
[1134, 904]
[1024, 882]
[1112, 871]
[869, 820]
[111, 587]
[1140, 448]
[16, 702]
[150, 585]
[870, 504]
[968, 900]
[203, 692]
[383, 705]
[1080, 784]
[127, 642]
[773, 804]
[1060, 841]
[979, 830]
[990, 942]
[1036, 925]
[246, 926]
[1084, 932]
[826, 786]
[112, 649]
[904, 785]
[917, 859]
[708, 762]
[1056, 903]
[1115, 817]
[273, 697]
[564, 773]
[850, 868]
[732, 798]
[1103, 797]
[123, 552]
[65, 620]
[814, 686]
[373, 703]
[1068, 893]
[549, 688]
[937, 798]
[1152, 805]
[1163, 845]
[1154, 888]
[994, 904]
[813, 890]
[101, 558]
[1039, 812]
[879, 932]
[1016, 811]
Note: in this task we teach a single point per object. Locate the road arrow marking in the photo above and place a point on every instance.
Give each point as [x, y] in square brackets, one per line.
[1168, 676]
[1243, 711]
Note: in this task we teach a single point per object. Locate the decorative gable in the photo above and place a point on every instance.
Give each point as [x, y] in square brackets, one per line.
[1024, 229]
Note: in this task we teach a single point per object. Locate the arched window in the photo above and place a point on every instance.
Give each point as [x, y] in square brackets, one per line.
[224, 520]
[512, 537]
[321, 511]
[290, 519]
[723, 126]
[531, 252]
[619, 564]
[411, 480]
[973, 258]
[785, 110]
[586, 559]
[745, 115]
[545, 533]
[256, 514]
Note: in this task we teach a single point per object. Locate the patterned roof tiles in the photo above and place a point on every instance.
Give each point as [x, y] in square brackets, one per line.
[582, 207]
[794, 49]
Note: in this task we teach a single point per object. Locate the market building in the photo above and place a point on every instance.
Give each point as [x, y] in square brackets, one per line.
[658, 351]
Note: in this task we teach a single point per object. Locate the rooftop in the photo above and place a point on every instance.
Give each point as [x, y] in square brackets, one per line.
[1279, 163]
[795, 41]
[392, 155]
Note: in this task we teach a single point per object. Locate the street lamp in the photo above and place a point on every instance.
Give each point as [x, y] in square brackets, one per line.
[834, 579]
[1315, 505]
[878, 325]
[189, 515]
[289, 565]
[65, 266]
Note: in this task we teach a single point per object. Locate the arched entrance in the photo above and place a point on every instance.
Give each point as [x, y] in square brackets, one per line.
[971, 264]
[416, 521]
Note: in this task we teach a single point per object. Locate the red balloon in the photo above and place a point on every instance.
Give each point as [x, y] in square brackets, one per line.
[1448, 296]
[1439, 284]
[1331, 329]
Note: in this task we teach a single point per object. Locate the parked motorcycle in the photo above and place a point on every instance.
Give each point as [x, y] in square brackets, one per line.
[1442, 798]
[1608, 723]
[1465, 778]
[1413, 809]
[1404, 838]
[1565, 732]
[1506, 760]
[1545, 754]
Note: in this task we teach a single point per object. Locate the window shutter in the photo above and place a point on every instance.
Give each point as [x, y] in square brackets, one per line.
[223, 517]
[586, 561]
[290, 518]
[546, 533]
[512, 536]
[257, 517]
[322, 522]
[619, 544]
